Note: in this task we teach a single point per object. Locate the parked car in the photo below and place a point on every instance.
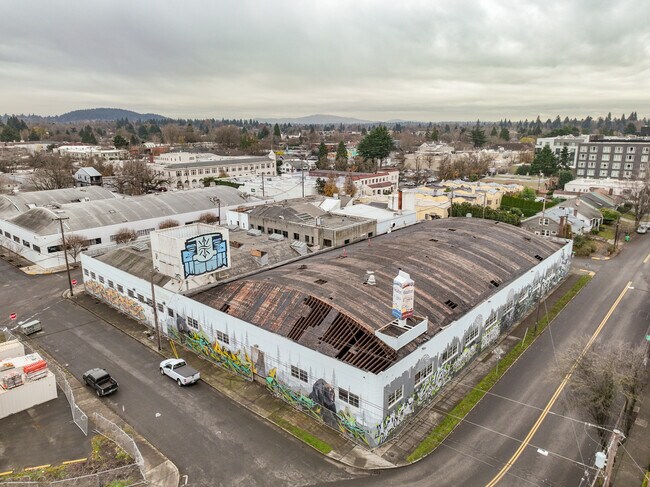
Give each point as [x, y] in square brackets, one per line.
[177, 369]
[101, 381]
[642, 229]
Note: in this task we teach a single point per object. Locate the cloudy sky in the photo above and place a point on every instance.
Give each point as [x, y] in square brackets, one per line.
[375, 60]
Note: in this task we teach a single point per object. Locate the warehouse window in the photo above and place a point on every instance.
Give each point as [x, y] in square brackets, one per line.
[423, 374]
[347, 396]
[450, 352]
[170, 312]
[395, 396]
[120, 288]
[192, 323]
[101, 280]
[472, 334]
[86, 272]
[222, 337]
[131, 293]
[141, 298]
[299, 373]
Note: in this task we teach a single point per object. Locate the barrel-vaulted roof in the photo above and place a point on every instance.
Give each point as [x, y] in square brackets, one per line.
[322, 302]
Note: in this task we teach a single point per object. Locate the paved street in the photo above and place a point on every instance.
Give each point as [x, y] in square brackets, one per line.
[211, 439]
[477, 450]
[216, 442]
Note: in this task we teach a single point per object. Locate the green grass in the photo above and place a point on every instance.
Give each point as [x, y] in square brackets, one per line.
[457, 414]
[606, 232]
[303, 435]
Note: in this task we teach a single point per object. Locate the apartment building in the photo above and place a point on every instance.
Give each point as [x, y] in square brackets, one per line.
[613, 157]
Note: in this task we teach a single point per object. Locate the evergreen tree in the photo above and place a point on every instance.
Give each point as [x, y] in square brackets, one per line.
[630, 129]
[33, 135]
[435, 135]
[564, 158]
[263, 133]
[120, 142]
[322, 157]
[494, 132]
[87, 135]
[504, 134]
[477, 135]
[376, 146]
[276, 131]
[341, 162]
[544, 162]
[564, 177]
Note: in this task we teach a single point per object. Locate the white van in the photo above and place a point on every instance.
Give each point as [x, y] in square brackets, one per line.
[30, 327]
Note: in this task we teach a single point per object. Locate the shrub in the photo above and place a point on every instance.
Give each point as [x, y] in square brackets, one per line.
[209, 218]
[124, 235]
[169, 223]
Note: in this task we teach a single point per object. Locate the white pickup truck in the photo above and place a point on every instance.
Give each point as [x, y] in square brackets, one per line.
[177, 369]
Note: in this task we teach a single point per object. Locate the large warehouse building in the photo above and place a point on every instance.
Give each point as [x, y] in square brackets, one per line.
[361, 338]
[35, 232]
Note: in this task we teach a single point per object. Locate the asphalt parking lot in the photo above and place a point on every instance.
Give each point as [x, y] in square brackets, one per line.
[44, 434]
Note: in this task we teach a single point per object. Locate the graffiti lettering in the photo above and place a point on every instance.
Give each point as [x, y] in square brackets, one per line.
[123, 303]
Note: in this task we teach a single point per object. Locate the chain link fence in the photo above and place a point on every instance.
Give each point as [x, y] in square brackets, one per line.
[78, 416]
[113, 432]
[127, 475]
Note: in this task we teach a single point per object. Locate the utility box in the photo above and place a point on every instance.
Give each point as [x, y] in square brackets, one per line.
[30, 327]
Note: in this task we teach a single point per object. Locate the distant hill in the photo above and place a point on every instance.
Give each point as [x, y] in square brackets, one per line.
[317, 119]
[104, 115]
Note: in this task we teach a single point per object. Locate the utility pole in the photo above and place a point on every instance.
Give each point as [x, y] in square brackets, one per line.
[451, 208]
[302, 177]
[262, 185]
[611, 456]
[65, 252]
[484, 203]
[219, 203]
[616, 234]
[155, 309]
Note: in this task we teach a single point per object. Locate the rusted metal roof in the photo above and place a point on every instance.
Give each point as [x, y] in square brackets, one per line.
[322, 302]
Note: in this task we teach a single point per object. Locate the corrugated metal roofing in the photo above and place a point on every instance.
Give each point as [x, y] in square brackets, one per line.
[317, 300]
[11, 205]
[94, 214]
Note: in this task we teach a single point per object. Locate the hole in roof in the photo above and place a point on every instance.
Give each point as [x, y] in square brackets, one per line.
[539, 257]
[495, 283]
[450, 304]
[451, 229]
[320, 281]
[302, 267]
[433, 240]
[527, 238]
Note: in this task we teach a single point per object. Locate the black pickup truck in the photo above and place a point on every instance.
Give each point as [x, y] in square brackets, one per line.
[101, 381]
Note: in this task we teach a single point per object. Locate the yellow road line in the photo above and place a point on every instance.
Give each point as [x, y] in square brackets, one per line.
[645, 261]
[8, 472]
[557, 393]
[38, 468]
[78, 460]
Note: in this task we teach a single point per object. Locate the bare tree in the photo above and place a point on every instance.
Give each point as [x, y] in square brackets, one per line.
[168, 223]
[137, 177]
[74, 244]
[125, 235]
[418, 169]
[639, 197]
[349, 187]
[51, 172]
[599, 378]
[208, 217]
[228, 136]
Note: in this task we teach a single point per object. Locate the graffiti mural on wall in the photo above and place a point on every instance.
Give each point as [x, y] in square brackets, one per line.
[498, 321]
[123, 303]
[236, 362]
[319, 404]
[203, 254]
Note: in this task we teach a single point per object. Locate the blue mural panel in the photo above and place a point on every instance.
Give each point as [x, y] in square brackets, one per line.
[203, 254]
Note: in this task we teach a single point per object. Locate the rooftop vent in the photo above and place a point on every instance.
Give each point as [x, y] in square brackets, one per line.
[451, 229]
[539, 258]
[302, 267]
[527, 238]
[450, 304]
[433, 240]
[235, 244]
[276, 237]
[495, 283]
[370, 278]
[320, 281]
[254, 232]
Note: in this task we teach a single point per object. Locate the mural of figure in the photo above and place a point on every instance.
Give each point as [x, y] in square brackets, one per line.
[205, 253]
[323, 394]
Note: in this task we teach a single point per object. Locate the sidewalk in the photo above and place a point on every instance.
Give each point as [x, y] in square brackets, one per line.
[633, 457]
[256, 398]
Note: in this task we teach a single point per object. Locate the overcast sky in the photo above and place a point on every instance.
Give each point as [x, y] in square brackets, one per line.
[375, 60]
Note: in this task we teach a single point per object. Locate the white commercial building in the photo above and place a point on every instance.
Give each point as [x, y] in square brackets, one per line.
[36, 232]
[615, 187]
[557, 144]
[186, 170]
[360, 339]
